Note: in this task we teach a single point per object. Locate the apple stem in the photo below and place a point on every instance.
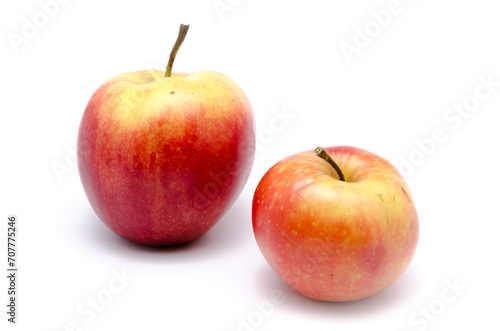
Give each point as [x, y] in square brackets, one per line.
[183, 30]
[320, 151]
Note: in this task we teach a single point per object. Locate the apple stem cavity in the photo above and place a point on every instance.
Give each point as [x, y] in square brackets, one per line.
[320, 152]
[183, 30]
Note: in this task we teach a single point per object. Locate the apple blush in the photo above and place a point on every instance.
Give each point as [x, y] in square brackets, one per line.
[337, 225]
[161, 155]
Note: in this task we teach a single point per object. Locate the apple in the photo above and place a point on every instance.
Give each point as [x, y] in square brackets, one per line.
[337, 225]
[163, 156]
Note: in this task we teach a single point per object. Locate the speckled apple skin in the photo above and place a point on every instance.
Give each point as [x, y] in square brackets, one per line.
[333, 240]
[162, 159]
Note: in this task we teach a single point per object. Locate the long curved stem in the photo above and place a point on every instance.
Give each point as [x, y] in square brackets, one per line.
[183, 30]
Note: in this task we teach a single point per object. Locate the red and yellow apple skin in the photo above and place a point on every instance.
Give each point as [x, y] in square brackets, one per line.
[162, 159]
[333, 240]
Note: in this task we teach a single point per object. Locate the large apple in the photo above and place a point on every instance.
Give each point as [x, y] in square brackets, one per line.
[163, 156]
[336, 224]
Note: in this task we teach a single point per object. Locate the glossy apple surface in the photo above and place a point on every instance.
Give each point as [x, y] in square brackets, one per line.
[335, 240]
[162, 159]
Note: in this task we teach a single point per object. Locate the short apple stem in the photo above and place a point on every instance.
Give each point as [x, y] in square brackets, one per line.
[320, 151]
[183, 30]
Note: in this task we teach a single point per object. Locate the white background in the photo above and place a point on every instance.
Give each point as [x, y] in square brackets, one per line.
[286, 55]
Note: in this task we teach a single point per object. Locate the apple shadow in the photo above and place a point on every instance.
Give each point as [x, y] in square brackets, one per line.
[404, 289]
[228, 234]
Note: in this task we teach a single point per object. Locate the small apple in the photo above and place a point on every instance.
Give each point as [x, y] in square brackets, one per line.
[338, 230]
[163, 156]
